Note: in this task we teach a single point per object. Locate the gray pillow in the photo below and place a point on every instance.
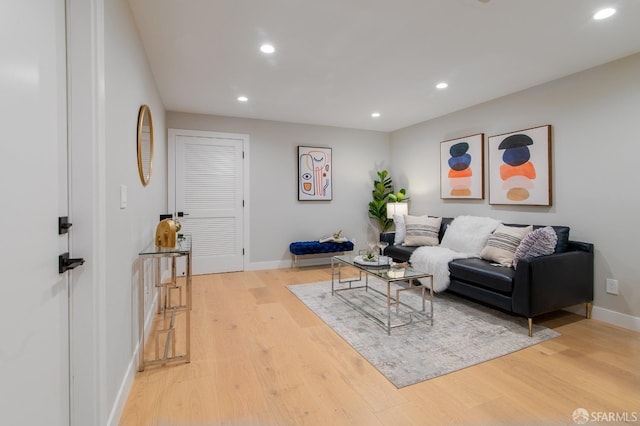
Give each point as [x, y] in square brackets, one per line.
[540, 242]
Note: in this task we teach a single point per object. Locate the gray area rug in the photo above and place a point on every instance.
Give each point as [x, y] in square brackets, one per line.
[463, 333]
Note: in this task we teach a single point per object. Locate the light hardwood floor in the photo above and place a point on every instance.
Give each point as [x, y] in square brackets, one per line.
[260, 357]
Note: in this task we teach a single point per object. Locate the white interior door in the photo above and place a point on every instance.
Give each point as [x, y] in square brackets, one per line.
[206, 188]
[34, 348]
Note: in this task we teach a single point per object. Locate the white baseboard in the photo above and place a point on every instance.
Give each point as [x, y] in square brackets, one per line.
[123, 392]
[127, 382]
[276, 264]
[611, 317]
[616, 318]
[285, 264]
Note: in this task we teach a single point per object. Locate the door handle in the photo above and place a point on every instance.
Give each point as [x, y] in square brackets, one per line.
[65, 263]
[182, 214]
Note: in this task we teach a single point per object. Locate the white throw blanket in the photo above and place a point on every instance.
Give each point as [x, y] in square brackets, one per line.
[435, 261]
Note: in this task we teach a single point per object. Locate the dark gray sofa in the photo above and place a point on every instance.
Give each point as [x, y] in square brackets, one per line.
[539, 285]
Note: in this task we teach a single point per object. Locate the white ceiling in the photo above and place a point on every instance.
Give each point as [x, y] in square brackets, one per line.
[337, 61]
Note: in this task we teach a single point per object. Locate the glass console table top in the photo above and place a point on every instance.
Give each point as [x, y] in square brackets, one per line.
[182, 246]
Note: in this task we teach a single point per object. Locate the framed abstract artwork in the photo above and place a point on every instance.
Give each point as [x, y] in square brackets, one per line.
[462, 168]
[314, 174]
[520, 167]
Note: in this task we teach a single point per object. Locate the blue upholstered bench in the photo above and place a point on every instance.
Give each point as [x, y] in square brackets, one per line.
[302, 248]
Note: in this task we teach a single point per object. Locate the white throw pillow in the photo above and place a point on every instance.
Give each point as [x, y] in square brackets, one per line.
[398, 220]
[502, 244]
[469, 234]
[421, 230]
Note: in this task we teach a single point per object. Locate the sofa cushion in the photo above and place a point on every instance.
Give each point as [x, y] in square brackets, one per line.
[399, 252]
[502, 244]
[562, 232]
[446, 221]
[540, 242]
[483, 273]
[421, 230]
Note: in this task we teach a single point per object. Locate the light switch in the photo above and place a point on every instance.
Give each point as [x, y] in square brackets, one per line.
[123, 196]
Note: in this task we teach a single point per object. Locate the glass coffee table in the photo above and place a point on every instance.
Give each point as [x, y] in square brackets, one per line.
[397, 280]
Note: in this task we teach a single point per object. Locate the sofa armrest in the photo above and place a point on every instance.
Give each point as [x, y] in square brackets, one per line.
[389, 237]
[580, 246]
[549, 283]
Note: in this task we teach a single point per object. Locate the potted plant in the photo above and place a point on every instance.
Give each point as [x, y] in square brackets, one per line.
[382, 194]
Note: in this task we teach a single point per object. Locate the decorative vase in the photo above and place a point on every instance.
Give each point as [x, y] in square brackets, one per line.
[166, 233]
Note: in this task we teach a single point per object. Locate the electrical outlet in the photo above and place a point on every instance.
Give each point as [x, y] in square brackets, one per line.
[612, 286]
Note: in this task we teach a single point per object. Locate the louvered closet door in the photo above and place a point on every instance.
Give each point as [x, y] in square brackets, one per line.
[208, 184]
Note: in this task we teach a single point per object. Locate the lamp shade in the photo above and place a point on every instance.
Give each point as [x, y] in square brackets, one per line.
[400, 209]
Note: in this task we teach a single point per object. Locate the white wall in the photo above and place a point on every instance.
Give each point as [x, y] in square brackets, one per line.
[595, 116]
[129, 83]
[277, 217]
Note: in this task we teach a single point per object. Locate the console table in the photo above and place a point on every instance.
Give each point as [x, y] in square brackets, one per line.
[167, 312]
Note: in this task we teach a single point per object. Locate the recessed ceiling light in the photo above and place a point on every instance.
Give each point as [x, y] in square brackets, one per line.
[604, 13]
[267, 48]
[375, 114]
[243, 98]
[442, 85]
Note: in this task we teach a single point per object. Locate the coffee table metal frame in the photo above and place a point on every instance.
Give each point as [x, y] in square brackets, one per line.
[382, 272]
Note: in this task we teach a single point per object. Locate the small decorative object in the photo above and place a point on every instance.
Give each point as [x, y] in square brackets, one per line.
[178, 228]
[382, 245]
[520, 167]
[396, 272]
[314, 174]
[166, 233]
[369, 256]
[462, 168]
[334, 238]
